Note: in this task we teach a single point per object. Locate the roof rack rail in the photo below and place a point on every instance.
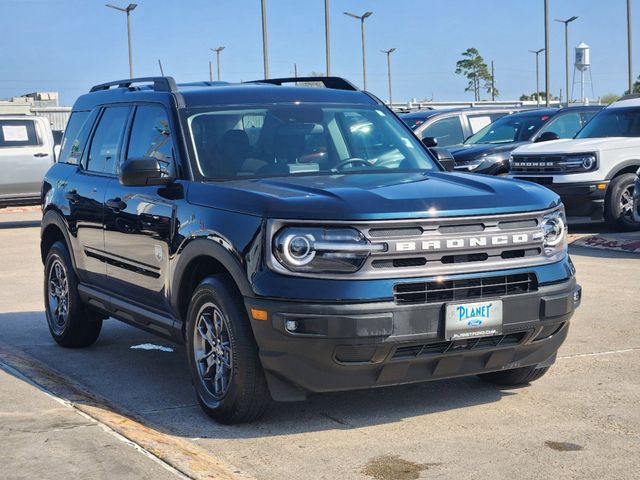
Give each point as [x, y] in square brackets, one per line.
[629, 96]
[160, 84]
[337, 83]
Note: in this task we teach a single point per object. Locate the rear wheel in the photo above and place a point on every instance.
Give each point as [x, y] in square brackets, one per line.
[618, 204]
[515, 376]
[70, 322]
[223, 355]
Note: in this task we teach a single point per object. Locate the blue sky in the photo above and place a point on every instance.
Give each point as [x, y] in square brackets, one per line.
[69, 45]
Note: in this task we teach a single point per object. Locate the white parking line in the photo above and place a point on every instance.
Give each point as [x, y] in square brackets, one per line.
[597, 354]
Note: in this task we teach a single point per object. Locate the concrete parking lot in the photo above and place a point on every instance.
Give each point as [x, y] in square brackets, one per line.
[581, 420]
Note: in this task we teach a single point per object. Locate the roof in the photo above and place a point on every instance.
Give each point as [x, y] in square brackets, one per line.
[200, 94]
[632, 100]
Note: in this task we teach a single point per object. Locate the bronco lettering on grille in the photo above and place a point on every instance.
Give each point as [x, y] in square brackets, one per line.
[453, 243]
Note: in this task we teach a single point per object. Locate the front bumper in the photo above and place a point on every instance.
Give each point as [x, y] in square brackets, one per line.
[583, 201]
[361, 345]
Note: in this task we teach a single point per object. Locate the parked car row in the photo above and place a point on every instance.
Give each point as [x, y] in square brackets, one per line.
[587, 154]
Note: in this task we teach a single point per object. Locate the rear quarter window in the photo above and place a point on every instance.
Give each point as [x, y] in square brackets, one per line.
[75, 136]
[18, 133]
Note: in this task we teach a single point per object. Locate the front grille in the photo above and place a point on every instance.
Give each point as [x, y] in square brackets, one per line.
[440, 348]
[464, 289]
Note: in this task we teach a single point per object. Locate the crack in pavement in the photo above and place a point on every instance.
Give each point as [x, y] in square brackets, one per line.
[597, 354]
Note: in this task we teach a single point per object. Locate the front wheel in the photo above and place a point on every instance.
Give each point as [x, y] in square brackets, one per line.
[618, 207]
[223, 355]
[516, 376]
[70, 322]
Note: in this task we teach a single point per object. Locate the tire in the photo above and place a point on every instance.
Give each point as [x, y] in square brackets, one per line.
[516, 376]
[71, 323]
[229, 381]
[618, 203]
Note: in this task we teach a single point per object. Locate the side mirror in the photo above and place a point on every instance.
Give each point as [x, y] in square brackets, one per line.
[546, 136]
[430, 142]
[138, 172]
[445, 158]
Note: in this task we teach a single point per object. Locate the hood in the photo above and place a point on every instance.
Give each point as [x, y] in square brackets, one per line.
[579, 145]
[465, 153]
[376, 196]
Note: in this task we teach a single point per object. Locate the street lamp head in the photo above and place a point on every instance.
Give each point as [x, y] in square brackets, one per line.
[537, 51]
[217, 50]
[391, 50]
[127, 9]
[359, 17]
[567, 21]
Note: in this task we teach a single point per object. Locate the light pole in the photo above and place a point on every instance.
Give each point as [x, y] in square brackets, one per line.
[388, 53]
[629, 49]
[218, 50]
[265, 49]
[364, 56]
[537, 52]
[128, 9]
[547, 73]
[327, 41]
[566, 54]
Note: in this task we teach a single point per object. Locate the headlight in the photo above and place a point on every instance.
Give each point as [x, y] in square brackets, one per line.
[554, 232]
[579, 163]
[495, 158]
[322, 250]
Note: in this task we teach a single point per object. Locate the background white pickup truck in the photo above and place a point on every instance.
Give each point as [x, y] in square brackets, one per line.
[26, 153]
[594, 173]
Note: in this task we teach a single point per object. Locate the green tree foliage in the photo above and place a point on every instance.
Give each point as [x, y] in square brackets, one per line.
[609, 98]
[524, 97]
[312, 84]
[636, 86]
[474, 68]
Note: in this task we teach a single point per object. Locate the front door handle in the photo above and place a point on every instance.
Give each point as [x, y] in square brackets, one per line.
[40, 154]
[72, 196]
[116, 204]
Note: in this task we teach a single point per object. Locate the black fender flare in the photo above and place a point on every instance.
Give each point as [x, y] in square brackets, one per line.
[54, 218]
[204, 247]
[621, 166]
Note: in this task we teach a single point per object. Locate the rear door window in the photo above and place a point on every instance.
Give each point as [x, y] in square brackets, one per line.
[107, 141]
[565, 126]
[448, 131]
[18, 133]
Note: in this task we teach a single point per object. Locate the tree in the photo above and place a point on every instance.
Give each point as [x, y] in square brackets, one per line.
[636, 86]
[312, 84]
[609, 98]
[543, 95]
[475, 69]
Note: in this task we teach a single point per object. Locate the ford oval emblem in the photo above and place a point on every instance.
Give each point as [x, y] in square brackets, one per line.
[474, 323]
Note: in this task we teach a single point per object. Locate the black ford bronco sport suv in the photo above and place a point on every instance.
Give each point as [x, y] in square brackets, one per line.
[296, 239]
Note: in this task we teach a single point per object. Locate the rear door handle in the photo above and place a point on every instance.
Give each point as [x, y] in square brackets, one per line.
[72, 196]
[116, 204]
[40, 154]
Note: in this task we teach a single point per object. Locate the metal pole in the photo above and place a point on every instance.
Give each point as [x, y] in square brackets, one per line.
[547, 72]
[389, 74]
[161, 69]
[537, 82]
[364, 60]
[327, 39]
[629, 47]
[265, 52]
[129, 41]
[210, 72]
[218, 63]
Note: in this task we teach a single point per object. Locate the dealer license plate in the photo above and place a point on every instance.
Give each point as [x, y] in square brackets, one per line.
[478, 319]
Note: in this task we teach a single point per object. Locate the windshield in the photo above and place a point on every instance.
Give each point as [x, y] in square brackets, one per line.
[613, 122]
[284, 140]
[511, 128]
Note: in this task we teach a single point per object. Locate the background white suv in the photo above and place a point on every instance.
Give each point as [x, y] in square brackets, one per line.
[594, 172]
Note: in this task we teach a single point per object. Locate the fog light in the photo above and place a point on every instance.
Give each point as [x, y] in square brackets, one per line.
[291, 325]
[576, 296]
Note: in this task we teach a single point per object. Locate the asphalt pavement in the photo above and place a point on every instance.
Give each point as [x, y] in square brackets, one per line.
[581, 420]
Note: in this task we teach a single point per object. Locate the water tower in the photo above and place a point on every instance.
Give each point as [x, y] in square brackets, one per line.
[582, 65]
